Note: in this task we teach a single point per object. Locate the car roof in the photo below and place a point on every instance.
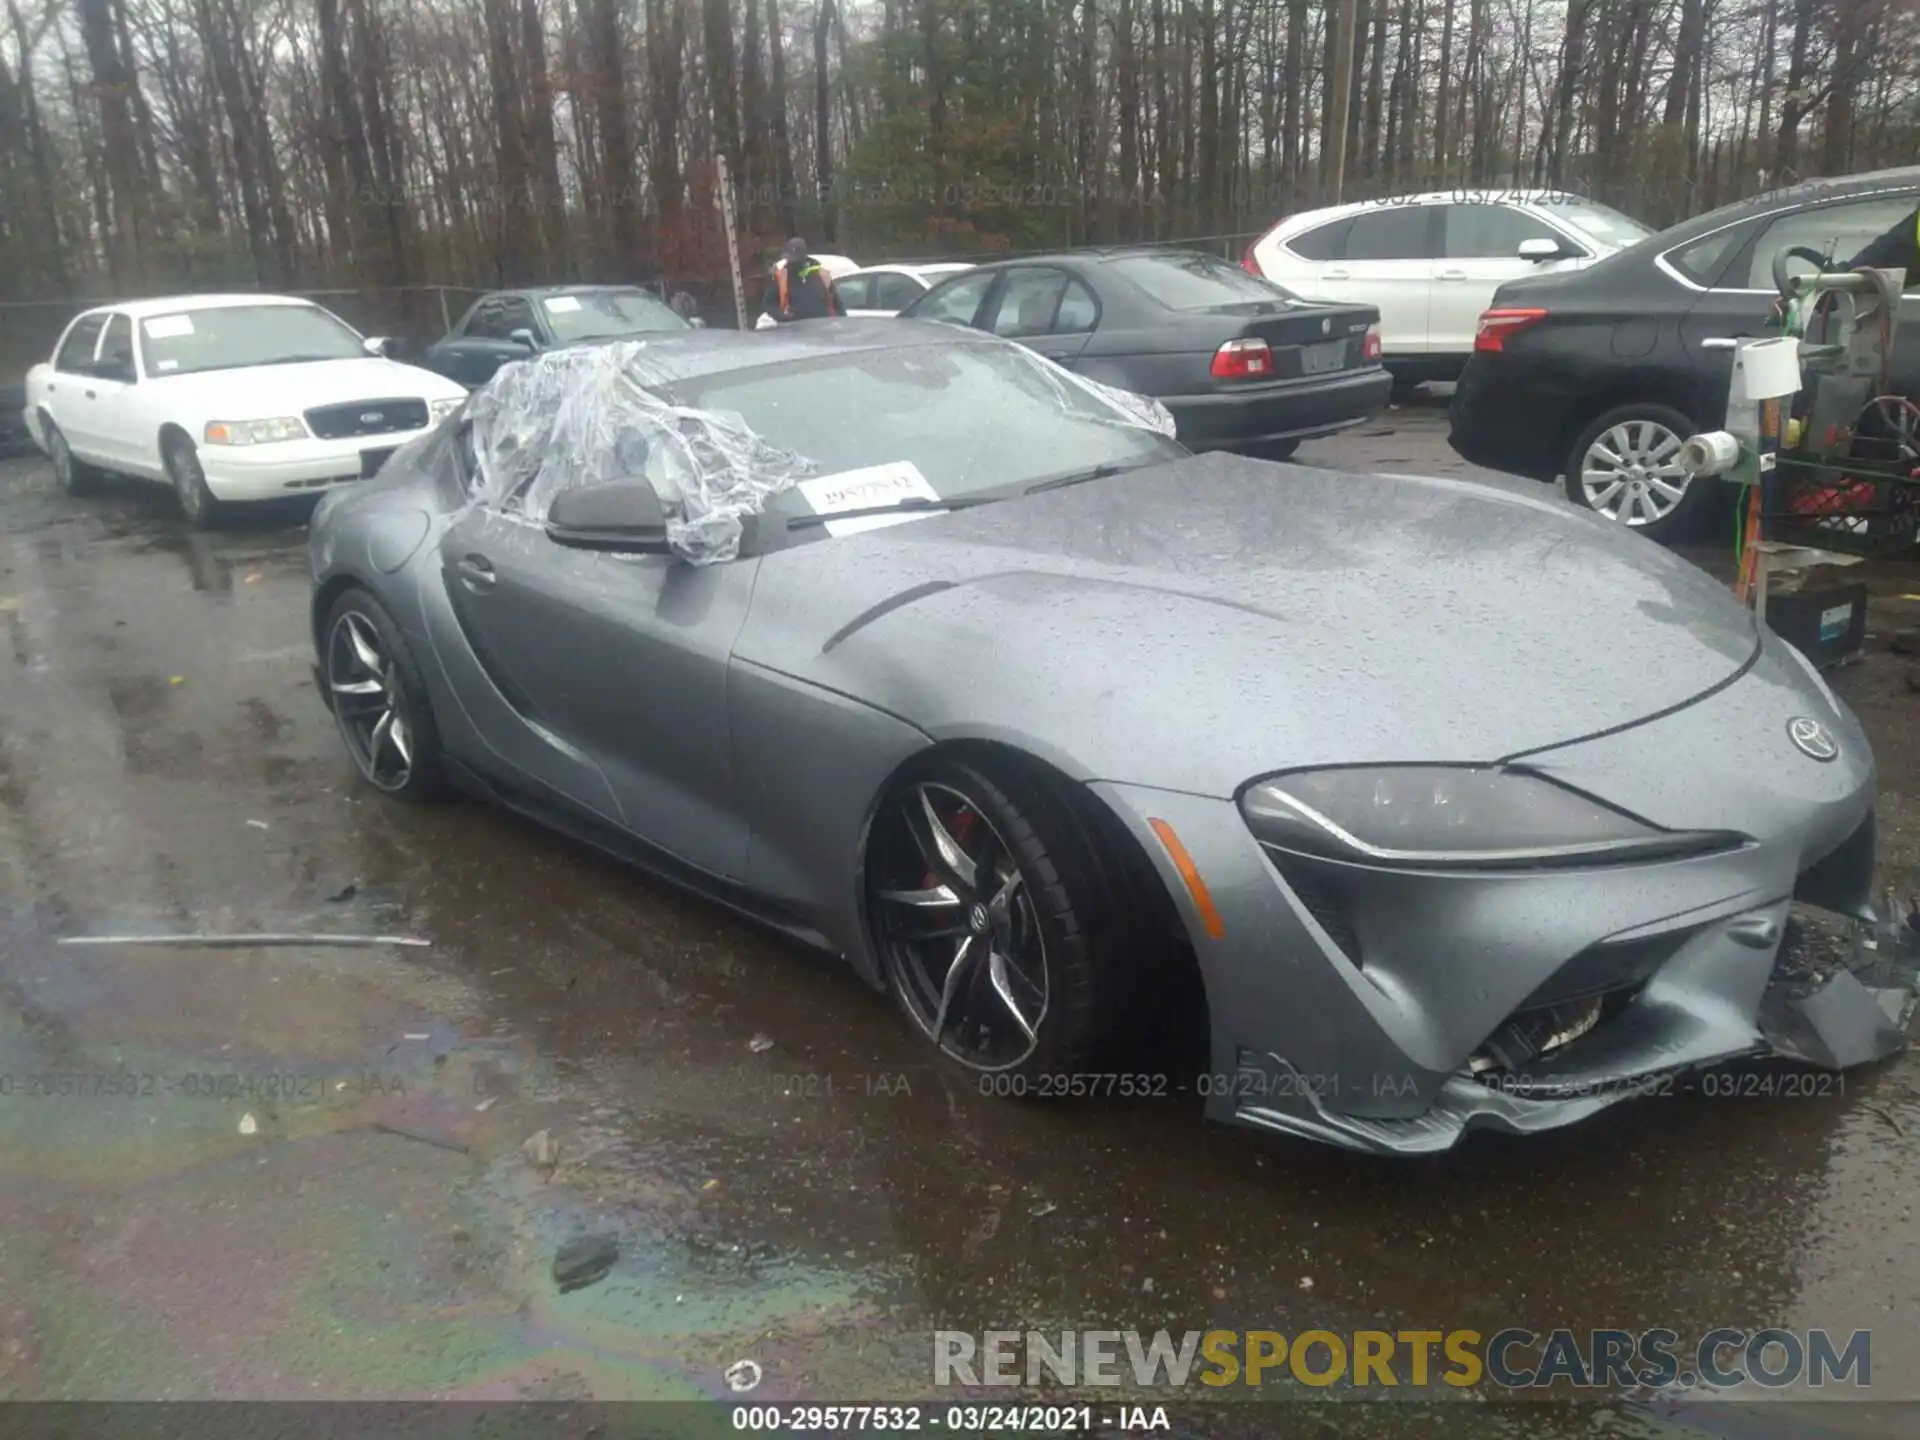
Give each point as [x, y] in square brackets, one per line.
[1805, 192]
[1095, 255]
[1489, 195]
[174, 304]
[911, 267]
[701, 353]
[585, 289]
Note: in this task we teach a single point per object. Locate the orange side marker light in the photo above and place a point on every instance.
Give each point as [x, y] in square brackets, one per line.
[1190, 873]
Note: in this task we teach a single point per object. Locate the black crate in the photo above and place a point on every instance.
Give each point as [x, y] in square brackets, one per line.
[1825, 625]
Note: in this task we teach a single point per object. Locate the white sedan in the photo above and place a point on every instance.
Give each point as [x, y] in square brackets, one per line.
[878, 291]
[226, 398]
[1430, 263]
[886, 290]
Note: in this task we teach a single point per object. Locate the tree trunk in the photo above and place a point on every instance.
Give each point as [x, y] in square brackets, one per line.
[113, 86]
[823, 122]
[782, 140]
[1796, 101]
[1292, 83]
[1442, 166]
[542, 148]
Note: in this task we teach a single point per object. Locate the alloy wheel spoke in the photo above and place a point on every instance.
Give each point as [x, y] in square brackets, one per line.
[381, 729]
[940, 897]
[956, 972]
[358, 687]
[941, 850]
[1602, 489]
[397, 733]
[363, 649]
[999, 973]
[1000, 912]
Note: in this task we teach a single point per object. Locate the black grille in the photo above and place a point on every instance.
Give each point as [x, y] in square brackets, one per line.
[366, 417]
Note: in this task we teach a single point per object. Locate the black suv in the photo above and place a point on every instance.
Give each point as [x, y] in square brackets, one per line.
[1597, 375]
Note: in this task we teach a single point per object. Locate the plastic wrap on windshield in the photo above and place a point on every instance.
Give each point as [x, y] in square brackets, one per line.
[1141, 411]
[586, 415]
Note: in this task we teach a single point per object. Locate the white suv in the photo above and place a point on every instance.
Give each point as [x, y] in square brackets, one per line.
[1430, 263]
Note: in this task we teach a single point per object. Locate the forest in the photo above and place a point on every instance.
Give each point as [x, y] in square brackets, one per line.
[157, 145]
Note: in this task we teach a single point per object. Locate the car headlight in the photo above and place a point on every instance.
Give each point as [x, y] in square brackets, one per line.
[254, 432]
[438, 410]
[1439, 815]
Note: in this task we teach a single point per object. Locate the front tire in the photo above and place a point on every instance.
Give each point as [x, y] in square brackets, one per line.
[379, 701]
[76, 477]
[201, 509]
[1625, 466]
[998, 921]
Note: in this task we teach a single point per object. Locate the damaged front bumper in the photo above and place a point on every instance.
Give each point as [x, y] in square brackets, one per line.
[1392, 1011]
[1757, 986]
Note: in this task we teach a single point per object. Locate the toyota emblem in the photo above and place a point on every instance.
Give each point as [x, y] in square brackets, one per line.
[1812, 739]
[372, 417]
[1326, 327]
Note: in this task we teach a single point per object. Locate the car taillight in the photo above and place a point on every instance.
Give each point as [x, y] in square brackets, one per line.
[1370, 347]
[1248, 263]
[1242, 360]
[1490, 338]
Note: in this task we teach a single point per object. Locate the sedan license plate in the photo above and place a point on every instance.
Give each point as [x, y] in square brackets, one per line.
[1328, 355]
[372, 460]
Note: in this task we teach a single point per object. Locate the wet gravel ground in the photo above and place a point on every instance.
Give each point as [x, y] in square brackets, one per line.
[344, 1173]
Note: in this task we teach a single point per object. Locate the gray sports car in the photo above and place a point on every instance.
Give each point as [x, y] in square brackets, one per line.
[1454, 807]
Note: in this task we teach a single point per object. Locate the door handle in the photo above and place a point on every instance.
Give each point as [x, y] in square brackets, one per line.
[1453, 274]
[1336, 274]
[476, 573]
[90, 394]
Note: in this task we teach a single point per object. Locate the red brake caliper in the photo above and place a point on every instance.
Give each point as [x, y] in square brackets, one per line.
[962, 829]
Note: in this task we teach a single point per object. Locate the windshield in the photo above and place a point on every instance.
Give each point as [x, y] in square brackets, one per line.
[1189, 280]
[930, 407]
[231, 336]
[604, 314]
[1602, 222]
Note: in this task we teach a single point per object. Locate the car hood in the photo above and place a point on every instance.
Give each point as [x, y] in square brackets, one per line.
[265, 391]
[1194, 624]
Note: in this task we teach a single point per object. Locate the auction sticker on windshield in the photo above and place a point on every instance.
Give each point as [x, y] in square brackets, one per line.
[561, 304]
[167, 327]
[863, 489]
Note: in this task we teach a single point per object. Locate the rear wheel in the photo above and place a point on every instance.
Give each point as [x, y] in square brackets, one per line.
[998, 921]
[197, 503]
[76, 477]
[1626, 466]
[379, 700]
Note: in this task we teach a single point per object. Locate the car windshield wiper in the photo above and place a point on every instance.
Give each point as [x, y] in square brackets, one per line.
[912, 502]
[1076, 477]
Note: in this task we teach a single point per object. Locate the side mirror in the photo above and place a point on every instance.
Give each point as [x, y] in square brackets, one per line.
[525, 338]
[1540, 248]
[381, 345]
[697, 323]
[120, 370]
[623, 515]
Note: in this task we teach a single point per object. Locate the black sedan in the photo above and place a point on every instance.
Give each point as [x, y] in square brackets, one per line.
[513, 324]
[1241, 363]
[1596, 376]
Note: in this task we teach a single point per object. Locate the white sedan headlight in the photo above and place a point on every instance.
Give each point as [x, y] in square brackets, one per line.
[254, 432]
[438, 410]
